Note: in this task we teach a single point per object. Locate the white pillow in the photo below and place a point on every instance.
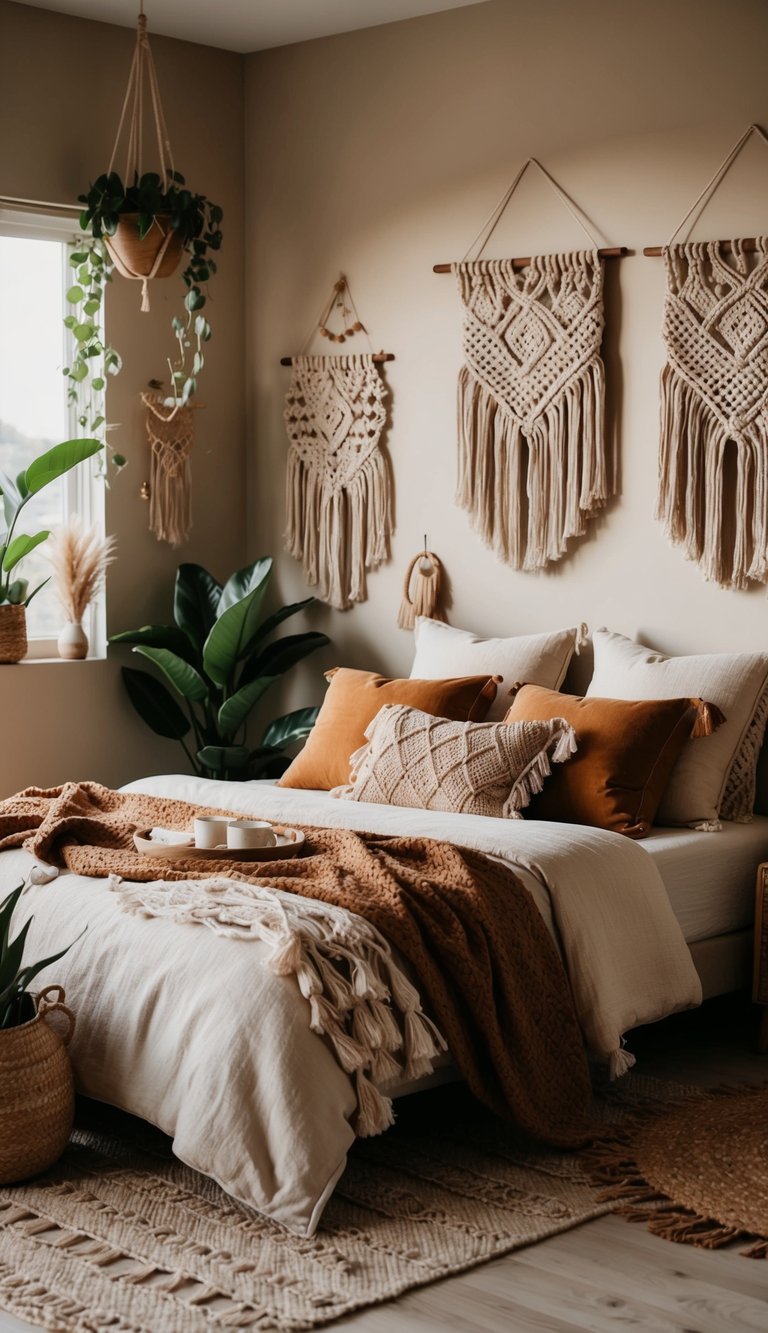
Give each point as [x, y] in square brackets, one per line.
[533, 659]
[735, 682]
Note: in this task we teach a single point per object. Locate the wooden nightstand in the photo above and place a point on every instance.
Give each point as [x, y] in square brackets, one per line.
[760, 974]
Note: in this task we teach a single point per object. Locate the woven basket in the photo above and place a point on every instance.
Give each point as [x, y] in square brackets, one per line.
[37, 1099]
[135, 257]
[13, 633]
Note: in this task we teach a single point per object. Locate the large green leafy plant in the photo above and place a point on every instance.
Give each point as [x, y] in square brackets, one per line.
[220, 658]
[17, 1006]
[15, 545]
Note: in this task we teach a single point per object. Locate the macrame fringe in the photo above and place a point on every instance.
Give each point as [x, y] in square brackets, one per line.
[358, 998]
[530, 488]
[170, 498]
[424, 600]
[562, 740]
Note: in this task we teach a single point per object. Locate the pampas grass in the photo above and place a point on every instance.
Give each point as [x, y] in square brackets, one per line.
[79, 557]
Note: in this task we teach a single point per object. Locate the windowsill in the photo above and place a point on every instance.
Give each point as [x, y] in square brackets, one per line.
[59, 661]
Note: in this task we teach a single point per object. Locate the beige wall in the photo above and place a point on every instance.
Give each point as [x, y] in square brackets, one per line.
[381, 152]
[62, 82]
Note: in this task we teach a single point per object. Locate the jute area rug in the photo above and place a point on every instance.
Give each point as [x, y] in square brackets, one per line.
[120, 1236]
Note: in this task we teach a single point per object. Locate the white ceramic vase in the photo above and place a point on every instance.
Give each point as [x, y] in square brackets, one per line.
[73, 642]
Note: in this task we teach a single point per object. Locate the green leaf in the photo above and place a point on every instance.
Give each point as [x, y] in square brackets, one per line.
[98, 384]
[194, 299]
[271, 623]
[155, 705]
[235, 710]
[219, 758]
[75, 295]
[77, 257]
[195, 603]
[282, 654]
[182, 676]
[29, 973]
[83, 332]
[6, 912]
[21, 546]
[232, 635]
[244, 581]
[290, 727]
[58, 460]
[157, 636]
[92, 306]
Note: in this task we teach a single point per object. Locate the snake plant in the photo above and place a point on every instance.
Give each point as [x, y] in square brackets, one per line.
[219, 658]
[17, 1006]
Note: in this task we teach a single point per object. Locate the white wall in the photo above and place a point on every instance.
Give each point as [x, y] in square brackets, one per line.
[62, 82]
[380, 153]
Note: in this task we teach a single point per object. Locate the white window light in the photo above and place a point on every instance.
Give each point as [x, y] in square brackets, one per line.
[34, 409]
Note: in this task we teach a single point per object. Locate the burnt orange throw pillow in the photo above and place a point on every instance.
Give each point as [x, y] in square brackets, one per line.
[353, 700]
[624, 757]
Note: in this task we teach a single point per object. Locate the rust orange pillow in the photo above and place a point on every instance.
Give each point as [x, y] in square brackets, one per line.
[625, 753]
[353, 700]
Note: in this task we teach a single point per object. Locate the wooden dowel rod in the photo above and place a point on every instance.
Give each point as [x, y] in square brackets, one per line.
[377, 356]
[750, 246]
[608, 252]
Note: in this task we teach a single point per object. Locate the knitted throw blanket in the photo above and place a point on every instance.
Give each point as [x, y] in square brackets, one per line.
[714, 392]
[338, 502]
[532, 453]
[484, 961]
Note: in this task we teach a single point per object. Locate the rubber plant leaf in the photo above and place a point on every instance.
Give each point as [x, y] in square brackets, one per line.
[155, 705]
[244, 581]
[232, 635]
[271, 623]
[221, 757]
[58, 460]
[290, 727]
[158, 636]
[182, 676]
[282, 654]
[235, 710]
[195, 603]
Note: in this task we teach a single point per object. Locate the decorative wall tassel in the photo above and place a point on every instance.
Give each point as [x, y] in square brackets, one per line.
[169, 431]
[425, 572]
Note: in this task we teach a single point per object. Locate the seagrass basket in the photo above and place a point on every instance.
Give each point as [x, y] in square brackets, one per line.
[37, 1098]
[13, 633]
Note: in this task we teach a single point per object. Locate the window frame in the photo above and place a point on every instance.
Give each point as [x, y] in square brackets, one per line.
[84, 490]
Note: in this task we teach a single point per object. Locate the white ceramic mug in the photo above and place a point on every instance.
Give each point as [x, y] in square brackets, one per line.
[245, 833]
[210, 830]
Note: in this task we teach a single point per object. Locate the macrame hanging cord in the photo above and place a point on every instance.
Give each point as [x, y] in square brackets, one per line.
[170, 488]
[142, 73]
[533, 467]
[713, 455]
[338, 490]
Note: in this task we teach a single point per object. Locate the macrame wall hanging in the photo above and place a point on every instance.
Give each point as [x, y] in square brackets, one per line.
[714, 399]
[169, 491]
[422, 589]
[338, 495]
[533, 456]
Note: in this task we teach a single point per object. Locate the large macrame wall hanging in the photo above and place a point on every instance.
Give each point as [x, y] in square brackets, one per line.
[169, 431]
[533, 457]
[338, 496]
[713, 460]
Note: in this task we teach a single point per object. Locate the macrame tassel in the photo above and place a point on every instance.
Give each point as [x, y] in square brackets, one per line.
[374, 1112]
[426, 573]
[561, 745]
[170, 439]
[708, 719]
[620, 1062]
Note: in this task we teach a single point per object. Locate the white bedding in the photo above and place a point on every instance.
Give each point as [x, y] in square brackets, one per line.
[710, 877]
[190, 1031]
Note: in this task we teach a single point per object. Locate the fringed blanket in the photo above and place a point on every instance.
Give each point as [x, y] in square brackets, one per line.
[483, 958]
[713, 500]
[532, 451]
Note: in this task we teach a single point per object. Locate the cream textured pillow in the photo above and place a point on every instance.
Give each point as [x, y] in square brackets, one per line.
[537, 659]
[423, 762]
[735, 682]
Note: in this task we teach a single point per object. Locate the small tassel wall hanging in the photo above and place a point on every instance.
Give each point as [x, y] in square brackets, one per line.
[338, 493]
[422, 590]
[169, 431]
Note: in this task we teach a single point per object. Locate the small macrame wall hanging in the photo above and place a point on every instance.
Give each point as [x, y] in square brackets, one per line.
[713, 458]
[169, 432]
[338, 495]
[422, 589]
[533, 455]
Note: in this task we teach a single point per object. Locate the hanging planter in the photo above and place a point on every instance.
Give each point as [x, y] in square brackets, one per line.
[148, 222]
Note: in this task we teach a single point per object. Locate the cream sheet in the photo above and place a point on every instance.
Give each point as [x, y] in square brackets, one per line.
[184, 1028]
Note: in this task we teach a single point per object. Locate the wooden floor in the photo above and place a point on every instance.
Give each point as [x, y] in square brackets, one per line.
[607, 1275]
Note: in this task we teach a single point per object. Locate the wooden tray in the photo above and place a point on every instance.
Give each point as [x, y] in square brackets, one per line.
[290, 842]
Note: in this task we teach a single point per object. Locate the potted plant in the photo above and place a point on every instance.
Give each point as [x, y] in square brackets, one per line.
[15, 596]
[147, 226]
[36, 1091]
[219, 657]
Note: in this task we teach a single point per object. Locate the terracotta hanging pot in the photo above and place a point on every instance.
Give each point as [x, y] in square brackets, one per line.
[156, 255]
[13, 633]
[37, 1098]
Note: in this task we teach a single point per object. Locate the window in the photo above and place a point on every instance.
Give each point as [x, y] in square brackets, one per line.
[34, 411]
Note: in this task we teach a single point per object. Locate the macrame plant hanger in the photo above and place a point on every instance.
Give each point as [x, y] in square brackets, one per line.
[533, 465]
[154, 256]
[338, 492]
[714, 393]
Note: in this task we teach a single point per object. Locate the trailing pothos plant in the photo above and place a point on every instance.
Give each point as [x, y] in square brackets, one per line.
[17, 1006]
[220, 658]
[90, 350]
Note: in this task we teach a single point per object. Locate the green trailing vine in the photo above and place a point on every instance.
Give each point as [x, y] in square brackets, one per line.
[85, 298]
